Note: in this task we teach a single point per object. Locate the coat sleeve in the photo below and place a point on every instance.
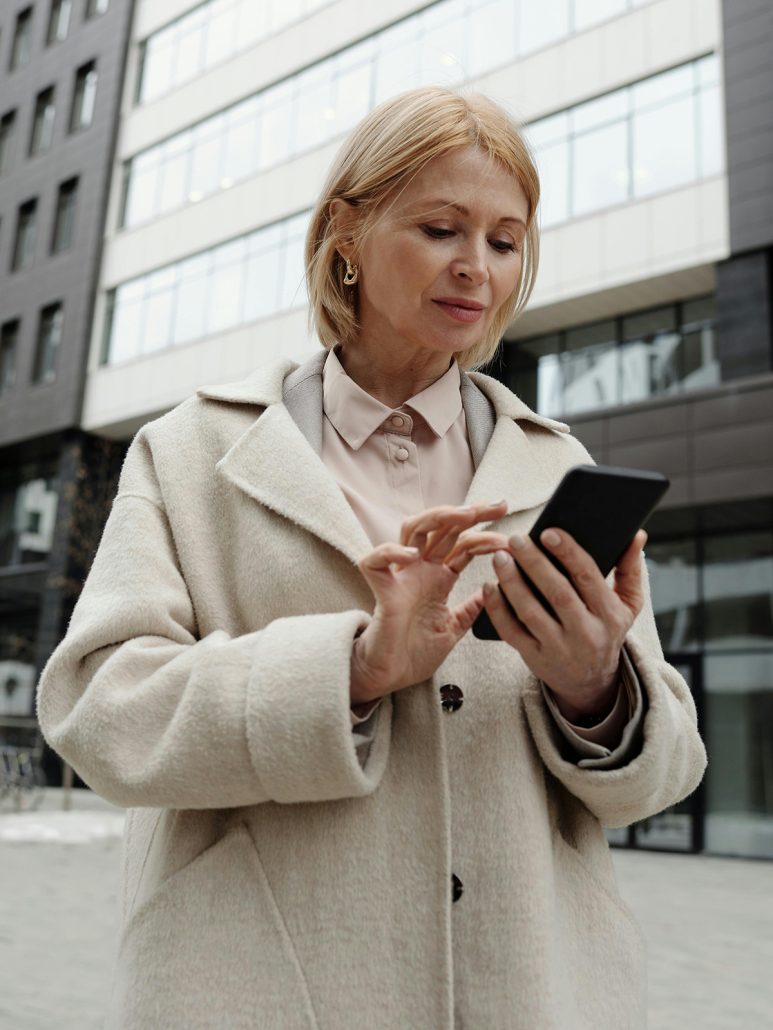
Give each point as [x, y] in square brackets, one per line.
[666, 767]
[148, 714]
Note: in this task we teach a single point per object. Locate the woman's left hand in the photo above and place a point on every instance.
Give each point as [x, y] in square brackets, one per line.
[576, 651]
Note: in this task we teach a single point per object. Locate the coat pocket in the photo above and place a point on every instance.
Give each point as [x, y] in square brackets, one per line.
[603, 947]
[209, 948]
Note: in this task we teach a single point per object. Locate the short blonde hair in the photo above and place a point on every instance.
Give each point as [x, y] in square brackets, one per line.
[383, 153]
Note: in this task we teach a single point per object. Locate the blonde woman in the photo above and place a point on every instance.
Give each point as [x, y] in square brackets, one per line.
[345, 810]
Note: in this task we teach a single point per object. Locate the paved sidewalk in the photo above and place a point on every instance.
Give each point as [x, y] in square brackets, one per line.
[709, 923]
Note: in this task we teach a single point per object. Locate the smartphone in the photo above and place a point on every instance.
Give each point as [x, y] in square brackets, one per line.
[602, 507]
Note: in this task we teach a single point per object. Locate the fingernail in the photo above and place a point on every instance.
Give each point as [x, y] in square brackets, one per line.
[517, 541]
[466, 508]
[488, 591]
[551, 538]
[411, 550]
[501, 558]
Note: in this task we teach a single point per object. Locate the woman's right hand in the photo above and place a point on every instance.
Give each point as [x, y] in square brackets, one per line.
[413, 629]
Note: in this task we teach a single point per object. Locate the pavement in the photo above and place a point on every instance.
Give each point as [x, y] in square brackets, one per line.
[709, 923]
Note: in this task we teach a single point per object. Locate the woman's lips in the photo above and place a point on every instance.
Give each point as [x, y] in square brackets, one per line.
[458, 312]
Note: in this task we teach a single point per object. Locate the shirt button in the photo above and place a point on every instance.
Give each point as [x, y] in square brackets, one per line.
[457, 887]
[402, 454]
[397, 420]
[451, 697]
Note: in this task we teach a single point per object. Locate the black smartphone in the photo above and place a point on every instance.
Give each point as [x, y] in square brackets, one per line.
[602, 507]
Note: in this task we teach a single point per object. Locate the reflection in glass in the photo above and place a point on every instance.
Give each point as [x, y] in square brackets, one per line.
[589, 368]
[600, 173]
[739, 740]
[738, 588]
[673, 570]
[27, 517]
[664, 148]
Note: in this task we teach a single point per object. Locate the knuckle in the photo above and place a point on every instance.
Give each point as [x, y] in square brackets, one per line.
[561, 597]
[583, 576]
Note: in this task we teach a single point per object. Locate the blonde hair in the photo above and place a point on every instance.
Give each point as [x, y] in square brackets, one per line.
[383, 153]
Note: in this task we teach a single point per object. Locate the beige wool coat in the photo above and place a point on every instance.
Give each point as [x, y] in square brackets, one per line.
[275, 876]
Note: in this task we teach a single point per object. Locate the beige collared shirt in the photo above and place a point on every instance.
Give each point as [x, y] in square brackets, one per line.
[392, 463]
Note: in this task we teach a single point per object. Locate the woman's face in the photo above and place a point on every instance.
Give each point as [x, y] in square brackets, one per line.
[443, 258]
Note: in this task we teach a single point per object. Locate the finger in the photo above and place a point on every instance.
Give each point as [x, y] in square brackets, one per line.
[443, 542]
[528, 609]
[415, 531]
[507, 625]
[382, 558]
[585, 575]
[468, 611]
[629, 585]
[470, 544]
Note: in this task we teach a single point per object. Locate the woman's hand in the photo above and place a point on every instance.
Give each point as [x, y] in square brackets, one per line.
[576, 651]
[413, 629]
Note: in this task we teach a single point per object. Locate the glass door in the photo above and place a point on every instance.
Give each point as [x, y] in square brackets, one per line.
[680, 827]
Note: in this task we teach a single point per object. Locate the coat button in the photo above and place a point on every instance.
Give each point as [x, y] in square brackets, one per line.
[457, 887]
[451, 697]
[402, 454]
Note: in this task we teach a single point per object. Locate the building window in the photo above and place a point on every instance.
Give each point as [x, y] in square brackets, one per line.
[24, 244]
[655, 135]
[43, 122]
[64, 223]
[58, 21]
[84, 97]
[244, 280]
[22, 39]
[9, 335]
[7, 128]
[662, 351]
[49, 339]
[96, 7]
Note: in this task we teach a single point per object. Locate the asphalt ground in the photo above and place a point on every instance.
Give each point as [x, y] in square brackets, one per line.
[709, 923]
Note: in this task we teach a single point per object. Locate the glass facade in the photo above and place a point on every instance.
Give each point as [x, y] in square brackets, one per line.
[661, 351]
[653, 136]
[712, 593]
[481, 34]
[448, 42]
[209, 34]
[246, 279]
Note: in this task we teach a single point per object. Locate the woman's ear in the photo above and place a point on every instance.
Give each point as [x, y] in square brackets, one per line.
[343, 221]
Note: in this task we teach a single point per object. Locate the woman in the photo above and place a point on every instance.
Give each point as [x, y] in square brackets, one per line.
[346, 810]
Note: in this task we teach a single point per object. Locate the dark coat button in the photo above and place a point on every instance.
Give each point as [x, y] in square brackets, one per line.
[457, 887]
[451, 697]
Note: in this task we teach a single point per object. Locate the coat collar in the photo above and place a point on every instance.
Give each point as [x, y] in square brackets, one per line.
[276, 461]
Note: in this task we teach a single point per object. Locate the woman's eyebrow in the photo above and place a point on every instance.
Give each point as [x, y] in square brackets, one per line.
[433, 205]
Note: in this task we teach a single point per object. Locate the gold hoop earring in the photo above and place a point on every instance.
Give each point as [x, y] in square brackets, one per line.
[352, 274]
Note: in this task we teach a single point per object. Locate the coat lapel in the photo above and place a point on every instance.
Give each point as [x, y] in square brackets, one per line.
[277, 460]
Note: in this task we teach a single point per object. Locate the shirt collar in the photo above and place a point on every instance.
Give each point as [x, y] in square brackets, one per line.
[356, 415]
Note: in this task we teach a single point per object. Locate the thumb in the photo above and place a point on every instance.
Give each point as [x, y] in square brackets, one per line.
[628, 574]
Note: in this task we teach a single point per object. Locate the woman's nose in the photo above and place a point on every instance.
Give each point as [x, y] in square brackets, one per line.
[471, 264]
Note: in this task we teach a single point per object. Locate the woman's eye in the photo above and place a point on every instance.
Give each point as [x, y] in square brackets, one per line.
[504, 246]
[437, 233]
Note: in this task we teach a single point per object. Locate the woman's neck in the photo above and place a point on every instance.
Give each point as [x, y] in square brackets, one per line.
[389, 378]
